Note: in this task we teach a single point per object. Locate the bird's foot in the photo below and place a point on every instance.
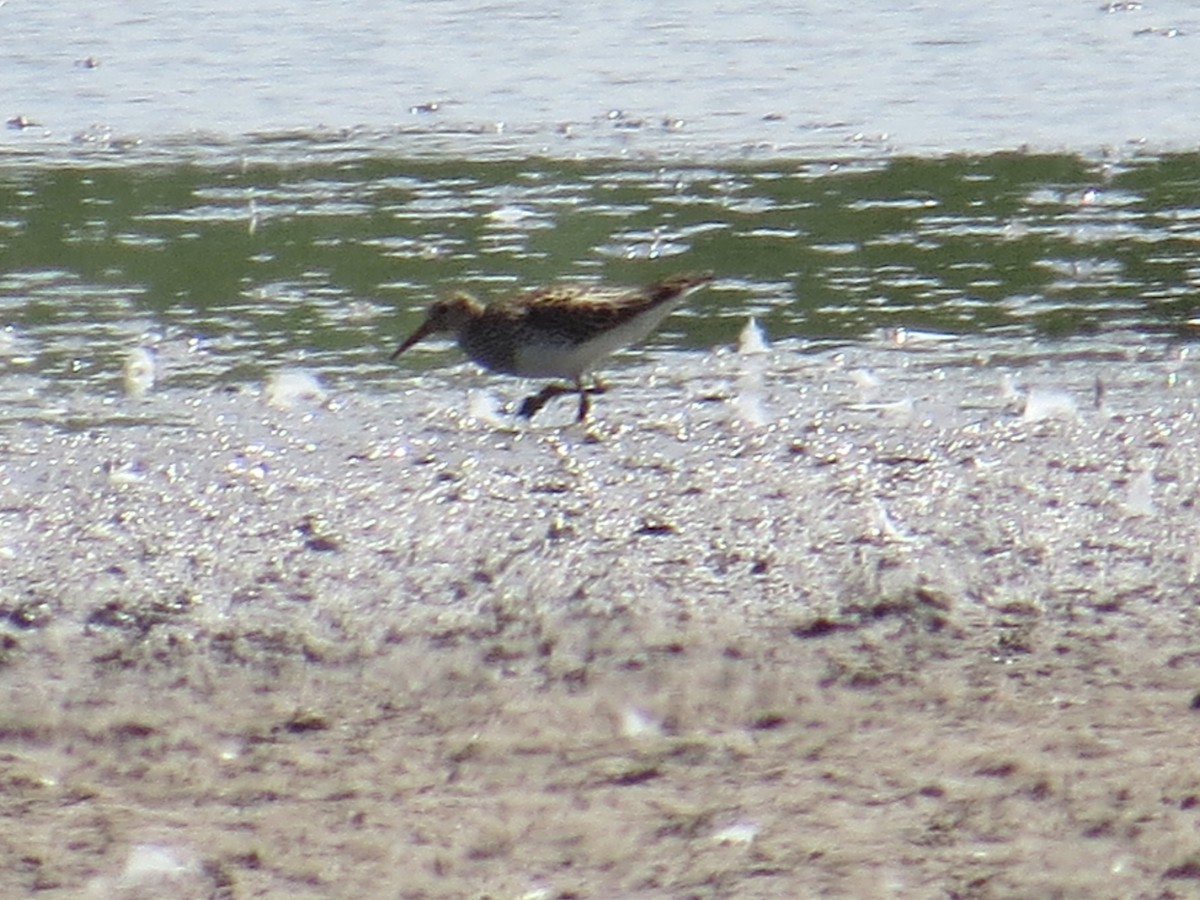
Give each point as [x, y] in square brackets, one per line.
[533, 404]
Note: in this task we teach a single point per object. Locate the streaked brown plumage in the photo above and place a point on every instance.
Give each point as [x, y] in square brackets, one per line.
[555, 332]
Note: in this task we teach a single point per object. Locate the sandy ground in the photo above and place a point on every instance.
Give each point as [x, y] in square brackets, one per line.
[861, 625]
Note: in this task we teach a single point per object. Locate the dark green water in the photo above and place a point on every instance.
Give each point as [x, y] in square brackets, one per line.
[243, 266]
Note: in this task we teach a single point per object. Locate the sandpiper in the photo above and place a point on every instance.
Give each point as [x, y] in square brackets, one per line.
[555, 332]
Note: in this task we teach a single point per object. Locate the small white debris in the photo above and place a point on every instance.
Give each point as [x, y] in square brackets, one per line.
[740, 832]
[898, 410]
[156, 865]
[885, 527]
[230, 750]
[748, 407]
[902, 336]
[637, 724]
[1010, 393]
[483, 406]
[127, 473]
[865, 379]
[294, 388]
[1047, 403]
[752, 340]
[139, 372]
[1139, 498]
[748, 400]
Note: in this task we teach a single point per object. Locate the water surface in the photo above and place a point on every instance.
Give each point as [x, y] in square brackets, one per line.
[245, 267]
[625, 77]
[245, 188]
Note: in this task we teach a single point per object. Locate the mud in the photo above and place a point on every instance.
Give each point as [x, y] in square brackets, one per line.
[903, 620]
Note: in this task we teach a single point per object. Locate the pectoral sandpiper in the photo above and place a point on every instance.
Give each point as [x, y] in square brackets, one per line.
[555, 332]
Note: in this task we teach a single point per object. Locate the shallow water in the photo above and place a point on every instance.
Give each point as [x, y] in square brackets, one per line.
[228, 272]
[237, 199]
[698, 78]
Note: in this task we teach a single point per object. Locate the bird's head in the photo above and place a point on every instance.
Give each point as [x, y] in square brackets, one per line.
[448, 315]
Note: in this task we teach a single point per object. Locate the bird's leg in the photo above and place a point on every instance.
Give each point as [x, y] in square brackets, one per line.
[532, 404]
[585, 403]
[598, 387]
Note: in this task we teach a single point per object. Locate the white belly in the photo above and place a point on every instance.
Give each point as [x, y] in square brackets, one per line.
[572, 360]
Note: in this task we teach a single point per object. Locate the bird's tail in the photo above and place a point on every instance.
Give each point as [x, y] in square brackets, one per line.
[678, 284]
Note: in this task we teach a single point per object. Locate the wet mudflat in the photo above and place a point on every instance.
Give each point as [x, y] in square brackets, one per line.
[904, 620]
